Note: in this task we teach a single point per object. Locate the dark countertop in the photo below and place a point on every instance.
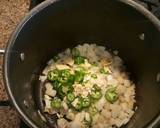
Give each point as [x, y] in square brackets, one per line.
[11, 12]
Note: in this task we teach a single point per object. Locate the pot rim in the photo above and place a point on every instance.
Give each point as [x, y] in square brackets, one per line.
[31, 14]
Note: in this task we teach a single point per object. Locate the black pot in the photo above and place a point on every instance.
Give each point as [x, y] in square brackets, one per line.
[58, 24]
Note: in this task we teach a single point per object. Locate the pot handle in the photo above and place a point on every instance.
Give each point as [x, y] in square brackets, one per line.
[4, 103]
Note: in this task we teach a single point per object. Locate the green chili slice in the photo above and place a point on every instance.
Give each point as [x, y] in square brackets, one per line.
[71, 80]
[96, 87]
[111, 95]
[70, 97]
[53, 75]
[64, 75]
[79, 76]
[96, 95]
[56, 103]
[86, 102]
[93, 110]
[56, 84]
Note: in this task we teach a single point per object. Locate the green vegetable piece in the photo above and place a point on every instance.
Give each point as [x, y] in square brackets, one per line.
[79, 106]
[79, 76]
[96, 95]
[96, 87]
[53, 75]
[75, 52]
[79, 60]
[56, 58]
[56, 84]
[104, 70]
[70, 97]
[56, 103]
[94, 76]
[64, 75]
[65, 89]
[60, 92]
[86, 102]
[93, 110]
[71, 80]
[111, 95]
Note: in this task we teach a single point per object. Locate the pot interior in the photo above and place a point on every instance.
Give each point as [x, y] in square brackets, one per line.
[66, 24]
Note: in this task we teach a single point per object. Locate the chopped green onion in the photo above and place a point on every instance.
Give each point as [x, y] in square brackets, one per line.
[93, 110]
[96, 95]
[56, 103]
[79, 60]
[111, 95]
[104, 70]
[86, 102]
[55, 58]
[70, 97]
[75, 52]
[94, 76]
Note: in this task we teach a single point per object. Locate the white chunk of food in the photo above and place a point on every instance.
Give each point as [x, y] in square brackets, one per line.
[49, 90]
[62, 123]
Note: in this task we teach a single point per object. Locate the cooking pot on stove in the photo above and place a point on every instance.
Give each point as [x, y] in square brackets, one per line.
[55, 25]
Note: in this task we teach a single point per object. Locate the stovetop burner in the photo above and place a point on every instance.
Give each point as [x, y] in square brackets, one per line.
[151, 5]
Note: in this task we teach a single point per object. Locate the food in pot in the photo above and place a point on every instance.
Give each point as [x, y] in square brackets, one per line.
[87, 86]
